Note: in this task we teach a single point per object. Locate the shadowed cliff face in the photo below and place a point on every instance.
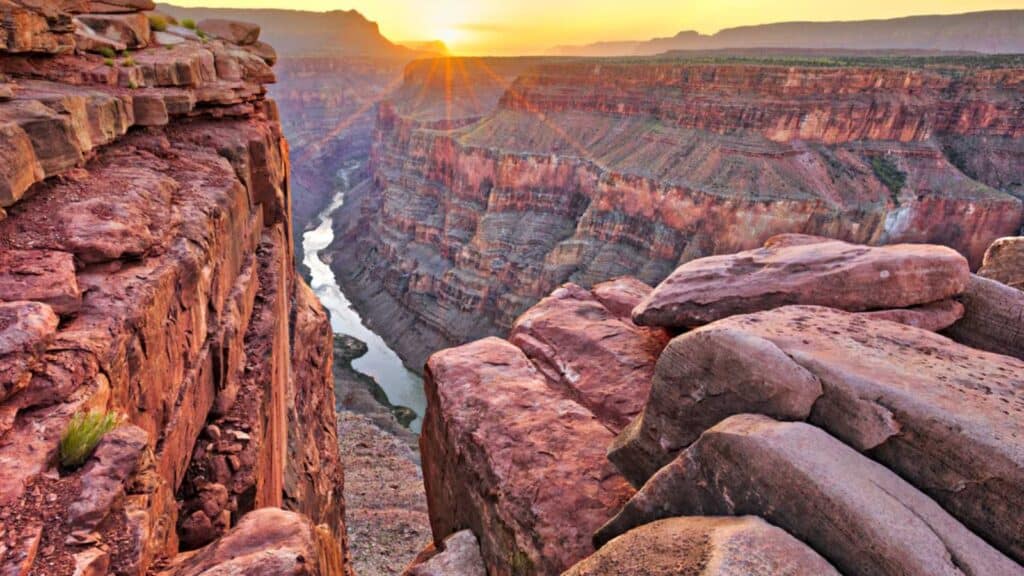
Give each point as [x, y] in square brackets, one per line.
[494, 187]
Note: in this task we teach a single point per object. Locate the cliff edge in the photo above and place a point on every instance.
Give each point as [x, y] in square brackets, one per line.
[146, 272]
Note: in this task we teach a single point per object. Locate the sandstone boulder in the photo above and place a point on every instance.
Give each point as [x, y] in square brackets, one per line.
[621, 295]
[946, 417]
[856, 513]
[1004, 262]
[26, 328]
[132, 30]
[708, 546]
[993, 318]
[933, 317]
[264, 51]
[45, 276]
[105, 475]
[509, 458]
[460, 557]
[599, 359]
[234, 31]
[266, 542]
[827, 273]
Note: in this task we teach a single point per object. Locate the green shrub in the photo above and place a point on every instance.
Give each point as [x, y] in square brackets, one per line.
[189, 23]
[133, 85]
[84, 432]
[889, 174]
[109, 62]
[107, 52]
[158, 22]
[129, 60]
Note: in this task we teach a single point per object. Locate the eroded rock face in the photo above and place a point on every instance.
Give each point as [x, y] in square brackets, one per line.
[1004, 262]
[582, 173]
[508, 457]
[856, 513]
[149, 273]
[704, 545]
[944, 416]
[826, 273]
[602, 361]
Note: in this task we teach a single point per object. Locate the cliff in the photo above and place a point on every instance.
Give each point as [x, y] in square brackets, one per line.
[994, 32]
[147, 272]
[516, 176]
[806, 423]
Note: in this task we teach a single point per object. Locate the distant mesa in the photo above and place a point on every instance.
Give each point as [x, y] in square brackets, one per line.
[301, 33]
[992, 32]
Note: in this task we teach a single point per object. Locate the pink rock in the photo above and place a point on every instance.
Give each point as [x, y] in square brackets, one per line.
[933, 317]
[602, 361]
[105, 475]
[943, 416]
[460, 557]
[992, 318]
[509, 458]
[26, 328]
[266, 542]
[233, 31]
[1004, 262]
[856, 513]
[832, 273]
[621, 295]
[709, 546]
[41, 275]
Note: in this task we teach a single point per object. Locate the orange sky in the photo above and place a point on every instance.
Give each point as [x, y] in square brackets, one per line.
[533, 26]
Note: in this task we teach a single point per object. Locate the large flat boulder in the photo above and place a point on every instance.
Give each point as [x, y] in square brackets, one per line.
[507, 456]
[946, 417]
[1004, 262]
[993, 318]
[705, 545]
[603, 361]
[234, 31]
[266, 542]
[809, 271]
[856, 513]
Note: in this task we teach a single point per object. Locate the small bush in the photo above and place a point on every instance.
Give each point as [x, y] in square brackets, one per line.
[189, 23]
[133, 85]
[129, 60]
[889, 174]
[107, 52]
[158, 22]
[109, 62]
[84, 432]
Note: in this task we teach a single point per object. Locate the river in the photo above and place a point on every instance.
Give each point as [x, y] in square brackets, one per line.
[402, 386]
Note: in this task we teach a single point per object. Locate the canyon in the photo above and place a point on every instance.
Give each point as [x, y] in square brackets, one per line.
[496, 180]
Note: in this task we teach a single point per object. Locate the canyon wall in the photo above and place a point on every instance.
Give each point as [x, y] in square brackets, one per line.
[146, 249]
[494, 181]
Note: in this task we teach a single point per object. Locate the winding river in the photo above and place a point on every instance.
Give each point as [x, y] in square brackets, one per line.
[402, 386]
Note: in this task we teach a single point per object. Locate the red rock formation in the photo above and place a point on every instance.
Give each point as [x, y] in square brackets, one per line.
[1004, 262]
[147, 204]
[586, 171]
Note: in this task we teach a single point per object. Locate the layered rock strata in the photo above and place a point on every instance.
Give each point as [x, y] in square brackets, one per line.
[584, 171]
[871, 444]
[147, 272]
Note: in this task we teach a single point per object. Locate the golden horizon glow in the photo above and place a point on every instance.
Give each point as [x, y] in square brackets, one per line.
[523, 27]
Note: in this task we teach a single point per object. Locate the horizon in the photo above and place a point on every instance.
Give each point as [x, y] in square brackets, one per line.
[533, 27]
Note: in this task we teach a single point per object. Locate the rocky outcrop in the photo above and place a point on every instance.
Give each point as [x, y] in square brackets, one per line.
[826, 273]
[460, 557]
[859, 515]
[859, 440]
[992, 318]
[1004, 262]
[147, 271]
[583, 172]
[709, 546]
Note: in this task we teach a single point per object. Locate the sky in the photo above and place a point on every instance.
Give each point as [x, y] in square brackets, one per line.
[471, 27]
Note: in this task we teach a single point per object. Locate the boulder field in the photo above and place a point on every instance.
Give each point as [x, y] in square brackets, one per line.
[146, 271]
[808, 407]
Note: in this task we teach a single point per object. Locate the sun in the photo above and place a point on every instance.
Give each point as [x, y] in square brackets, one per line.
[450, 37]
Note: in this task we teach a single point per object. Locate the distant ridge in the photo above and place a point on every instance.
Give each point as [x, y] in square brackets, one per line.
[993, 32]
[301, 33]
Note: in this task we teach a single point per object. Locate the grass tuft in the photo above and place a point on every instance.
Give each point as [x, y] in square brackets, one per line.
[84, 432]
[189, 23]
[107, 52]
[158, 22]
